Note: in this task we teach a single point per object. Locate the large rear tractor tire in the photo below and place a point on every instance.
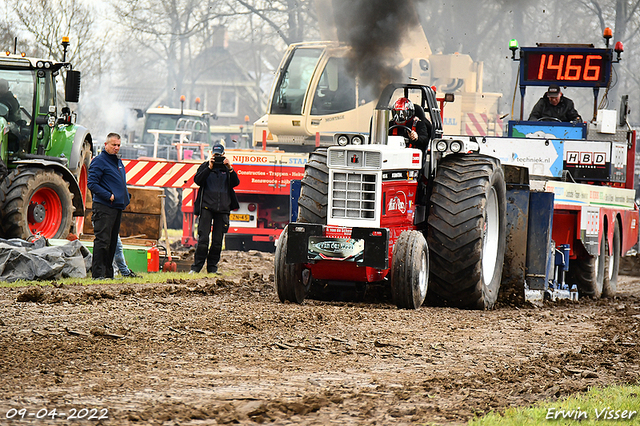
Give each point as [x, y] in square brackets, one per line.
[289, 280]
[612, 264]
[410, 270]
[36, 201]
[314, 190]
[82, 174]
[467, 232]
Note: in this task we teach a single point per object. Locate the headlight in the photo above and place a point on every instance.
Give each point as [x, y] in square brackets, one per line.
[39, 64]
[343, 140]
[47, 64]
[357, 140]
[455, 146]
[441, 146]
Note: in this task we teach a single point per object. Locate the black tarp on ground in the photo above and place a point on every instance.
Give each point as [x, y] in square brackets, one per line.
[24, 260]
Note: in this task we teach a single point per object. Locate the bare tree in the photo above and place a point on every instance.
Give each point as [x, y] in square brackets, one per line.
[171, 36]
[291, 20]
[47, 22]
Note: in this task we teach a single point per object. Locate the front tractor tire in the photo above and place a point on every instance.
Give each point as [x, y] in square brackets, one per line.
[410, 270]
[36, 201]
[314, 189]
[289, 281]
[467, 232]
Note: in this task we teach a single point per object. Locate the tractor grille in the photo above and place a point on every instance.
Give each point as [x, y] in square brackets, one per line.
[355, 158]
[354, 196]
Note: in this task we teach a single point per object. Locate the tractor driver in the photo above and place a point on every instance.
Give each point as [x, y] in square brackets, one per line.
[13, 117]
[408, 124]
[8, 98]
[553, 106]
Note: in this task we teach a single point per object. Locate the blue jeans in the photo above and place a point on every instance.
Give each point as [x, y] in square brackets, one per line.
[118, 259]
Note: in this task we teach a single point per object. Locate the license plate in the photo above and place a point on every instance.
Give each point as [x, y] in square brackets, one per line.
[239, 217]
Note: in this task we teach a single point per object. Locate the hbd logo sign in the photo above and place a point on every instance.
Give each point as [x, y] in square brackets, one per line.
[586, 158]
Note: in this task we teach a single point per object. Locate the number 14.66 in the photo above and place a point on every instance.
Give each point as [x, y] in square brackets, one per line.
[570, 67]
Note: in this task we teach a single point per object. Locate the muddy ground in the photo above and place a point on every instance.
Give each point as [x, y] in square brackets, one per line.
[224, 350]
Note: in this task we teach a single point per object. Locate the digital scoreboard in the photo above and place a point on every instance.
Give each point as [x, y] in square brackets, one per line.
[565, 66]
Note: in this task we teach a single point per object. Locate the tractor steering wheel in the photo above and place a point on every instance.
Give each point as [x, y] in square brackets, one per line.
[549, 119]
[401, 126]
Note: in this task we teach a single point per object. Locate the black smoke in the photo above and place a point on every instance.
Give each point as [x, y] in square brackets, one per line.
[375, 30]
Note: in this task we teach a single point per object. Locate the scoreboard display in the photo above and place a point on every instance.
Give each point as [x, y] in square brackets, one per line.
[565, 66]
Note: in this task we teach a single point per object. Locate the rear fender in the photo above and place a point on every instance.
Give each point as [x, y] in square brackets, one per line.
[66, 141]
[66, 174]
[81, 134]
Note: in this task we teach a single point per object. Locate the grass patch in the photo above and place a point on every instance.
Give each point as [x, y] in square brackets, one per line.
[145, 278]
[598, 406]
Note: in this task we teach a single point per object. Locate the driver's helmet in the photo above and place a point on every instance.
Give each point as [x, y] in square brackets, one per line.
[403, 111]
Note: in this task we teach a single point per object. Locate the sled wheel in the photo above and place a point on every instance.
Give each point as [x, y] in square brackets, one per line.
[588, 273]
[36, 201]
[467, 232]
[289, 277]
[612, 264]
[313, 200]
[410, 270]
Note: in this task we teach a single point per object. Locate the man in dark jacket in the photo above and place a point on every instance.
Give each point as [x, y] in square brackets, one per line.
[554, 105]
[214, 202]
[107, 182]
[410, 125]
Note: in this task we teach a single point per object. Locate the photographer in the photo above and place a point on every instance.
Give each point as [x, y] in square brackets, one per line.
[215, 200]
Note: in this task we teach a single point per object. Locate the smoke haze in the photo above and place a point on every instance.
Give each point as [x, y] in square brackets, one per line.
[375, 30]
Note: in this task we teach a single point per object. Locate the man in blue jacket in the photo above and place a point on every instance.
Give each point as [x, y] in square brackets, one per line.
[108, 184]
[214, 202]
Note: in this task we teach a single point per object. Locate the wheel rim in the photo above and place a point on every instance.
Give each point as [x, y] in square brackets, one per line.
[45, 212]
[610, 261]
[422, 278]
[490, 237]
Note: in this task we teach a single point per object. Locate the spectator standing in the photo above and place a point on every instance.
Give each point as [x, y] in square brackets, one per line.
[214, 202]
[107, 182]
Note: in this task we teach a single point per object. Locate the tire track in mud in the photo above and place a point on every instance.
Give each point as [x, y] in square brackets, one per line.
[224, 350]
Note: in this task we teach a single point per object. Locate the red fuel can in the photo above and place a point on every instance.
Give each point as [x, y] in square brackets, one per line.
[153, 259]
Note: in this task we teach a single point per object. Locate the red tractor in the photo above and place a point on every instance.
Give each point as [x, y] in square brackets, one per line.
[378, 211]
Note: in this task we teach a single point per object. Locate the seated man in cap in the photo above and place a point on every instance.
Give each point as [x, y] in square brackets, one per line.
[554, 107]
[214, 202]
[12, 115]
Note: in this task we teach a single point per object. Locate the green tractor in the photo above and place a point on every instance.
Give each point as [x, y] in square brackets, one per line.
[46, 152]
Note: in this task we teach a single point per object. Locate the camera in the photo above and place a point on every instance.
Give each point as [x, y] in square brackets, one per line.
[218, 159]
